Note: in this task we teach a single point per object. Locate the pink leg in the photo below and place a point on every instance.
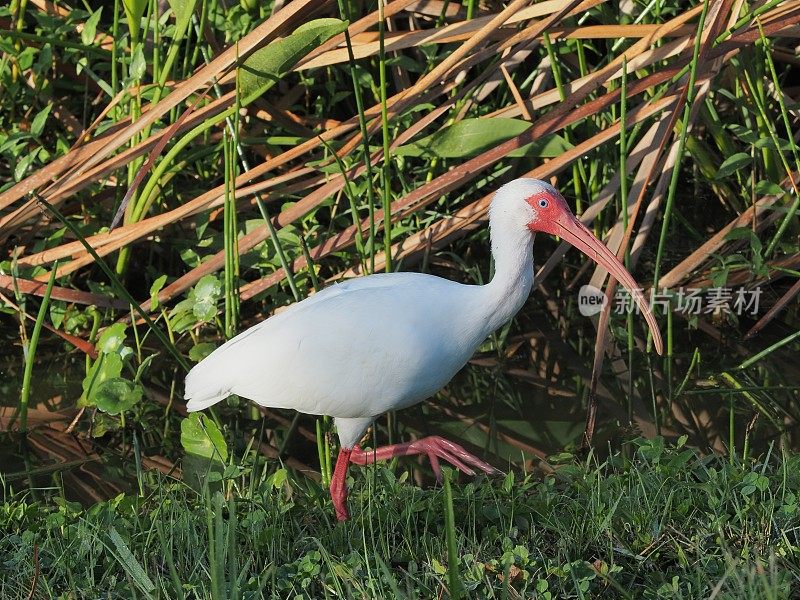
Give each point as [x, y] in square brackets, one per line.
[433, 446]
[339, 484]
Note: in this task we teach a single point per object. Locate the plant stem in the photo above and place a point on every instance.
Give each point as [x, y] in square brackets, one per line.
[673, 184]
[386, 170]
[30, 355]
[362, 124]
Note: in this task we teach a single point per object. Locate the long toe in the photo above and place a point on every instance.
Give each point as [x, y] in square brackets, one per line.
[434, 451]
[455, 451]
[435, 467]
[454, 460]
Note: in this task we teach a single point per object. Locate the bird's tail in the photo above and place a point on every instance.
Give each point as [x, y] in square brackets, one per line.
[203, 389]
[195, 404]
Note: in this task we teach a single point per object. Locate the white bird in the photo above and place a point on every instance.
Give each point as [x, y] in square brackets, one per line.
[387, 341]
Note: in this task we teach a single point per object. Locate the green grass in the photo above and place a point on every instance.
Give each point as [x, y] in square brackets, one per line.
[665, 523]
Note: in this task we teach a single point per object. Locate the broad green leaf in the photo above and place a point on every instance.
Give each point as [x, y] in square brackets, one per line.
[102, 424]
[138, 64]
[182, 9]
[112, 338]
[740, 233]
[120, 551]
[278, 478]
[733, 164]
[465, 138]
[508, 482]
[406, 63]
[182, 321]
[548, 146]
[201, 437]
[266, 66]
[768, 188]
[154, 289]
[134, 10]
[58, 311]
[190, 257]
[117, 395]
[90, 28]
[37, 126]
[208, 288]
[768, 142]
[204, 310]
[438, 567]
[204, 296]
[23, 164]
[201, 350]
[25, 58]
[743, 133]
[107, 366]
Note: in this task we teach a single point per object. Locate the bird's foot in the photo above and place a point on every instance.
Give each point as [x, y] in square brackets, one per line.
[435, 448]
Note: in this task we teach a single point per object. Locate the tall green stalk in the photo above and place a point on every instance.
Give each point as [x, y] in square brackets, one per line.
[362, 124]
[578, 170]
[790, 214]
[114, 54]
[673, 184]
[471, 4]
[623, 192]
[324, 450]
[769, 350]
[386, 170]
[30, 353]
[230, 237]
[141, 201]
[349, 192]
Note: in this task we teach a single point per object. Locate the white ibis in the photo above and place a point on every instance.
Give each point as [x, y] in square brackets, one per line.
[387, 341]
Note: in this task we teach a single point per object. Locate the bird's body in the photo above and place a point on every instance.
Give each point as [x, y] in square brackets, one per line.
[384, 342]
[296, 359]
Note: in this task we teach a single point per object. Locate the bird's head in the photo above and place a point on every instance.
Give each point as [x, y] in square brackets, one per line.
[540, 207]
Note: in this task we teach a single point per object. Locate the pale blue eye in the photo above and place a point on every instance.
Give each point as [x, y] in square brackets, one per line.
[542, 203]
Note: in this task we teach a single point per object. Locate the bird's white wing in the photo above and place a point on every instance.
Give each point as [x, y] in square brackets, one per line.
[355, 349]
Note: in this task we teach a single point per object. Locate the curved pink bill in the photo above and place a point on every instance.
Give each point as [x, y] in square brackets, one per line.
[577, 234]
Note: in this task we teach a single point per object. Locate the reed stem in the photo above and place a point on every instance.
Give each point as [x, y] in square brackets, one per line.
[30, 352]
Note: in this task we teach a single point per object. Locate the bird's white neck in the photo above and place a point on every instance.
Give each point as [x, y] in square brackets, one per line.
[504, 295]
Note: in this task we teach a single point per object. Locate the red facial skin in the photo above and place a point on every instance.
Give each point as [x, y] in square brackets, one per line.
[553, 216]
[548, 208]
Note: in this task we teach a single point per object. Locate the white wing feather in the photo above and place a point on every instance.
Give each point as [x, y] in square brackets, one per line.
[355, 349]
